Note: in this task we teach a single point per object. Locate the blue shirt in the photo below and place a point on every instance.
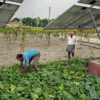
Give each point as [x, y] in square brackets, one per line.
[28, 54]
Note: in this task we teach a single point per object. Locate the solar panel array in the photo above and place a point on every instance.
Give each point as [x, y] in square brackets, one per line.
[77, 17]
[7, 11]
[18, 1]
[91, 2]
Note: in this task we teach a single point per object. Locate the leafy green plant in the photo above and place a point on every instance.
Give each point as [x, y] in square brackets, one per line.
[58, 80]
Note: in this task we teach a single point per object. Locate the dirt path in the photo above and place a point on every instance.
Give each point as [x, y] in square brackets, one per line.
[56, 50]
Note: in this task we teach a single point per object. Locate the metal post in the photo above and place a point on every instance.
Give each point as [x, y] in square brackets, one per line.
[94, 23]
[48, 23]
[49, 15]
[21, 21]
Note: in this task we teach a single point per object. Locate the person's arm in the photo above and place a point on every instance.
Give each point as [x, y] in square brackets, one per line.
[21, 67]
[27, 66]
[75, 42]
[67, 40]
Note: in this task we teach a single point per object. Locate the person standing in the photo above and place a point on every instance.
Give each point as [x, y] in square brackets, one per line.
[28, 56]
[71, 43]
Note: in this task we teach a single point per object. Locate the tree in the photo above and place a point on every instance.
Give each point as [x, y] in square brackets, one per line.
[44, 22]
[15, 20]
[27, 21]
[34, 22]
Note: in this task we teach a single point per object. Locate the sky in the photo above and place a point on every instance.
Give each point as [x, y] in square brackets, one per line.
[40, 8]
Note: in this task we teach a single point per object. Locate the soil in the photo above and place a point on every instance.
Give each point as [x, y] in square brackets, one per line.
[56, 51]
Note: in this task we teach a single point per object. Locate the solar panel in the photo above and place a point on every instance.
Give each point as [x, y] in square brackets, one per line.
[18, 1]
[6, 13]
[91, 2]
[76, 17]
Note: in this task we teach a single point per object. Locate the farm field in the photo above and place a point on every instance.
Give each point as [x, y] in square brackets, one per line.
[49, 51]
[58, 80]
[56, 50]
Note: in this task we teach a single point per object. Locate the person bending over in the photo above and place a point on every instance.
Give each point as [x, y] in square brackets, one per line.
[28, 56]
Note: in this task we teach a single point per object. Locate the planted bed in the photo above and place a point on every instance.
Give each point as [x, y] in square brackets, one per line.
[58, 80]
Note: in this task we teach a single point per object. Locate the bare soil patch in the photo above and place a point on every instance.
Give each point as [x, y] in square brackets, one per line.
[56, 50]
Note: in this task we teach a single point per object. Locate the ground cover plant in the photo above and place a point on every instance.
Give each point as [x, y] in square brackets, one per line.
[58, 80]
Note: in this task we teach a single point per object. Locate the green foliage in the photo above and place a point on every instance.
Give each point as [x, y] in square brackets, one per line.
[28, 22]
[44, 22]
[55, 34]
[35, 22]
[15, 20]
[53, 82]
[39, 30]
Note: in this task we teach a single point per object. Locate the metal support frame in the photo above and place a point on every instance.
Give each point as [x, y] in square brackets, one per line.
[94, 23]
[2, 3]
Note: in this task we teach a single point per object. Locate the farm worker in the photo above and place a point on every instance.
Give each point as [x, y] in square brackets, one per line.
[71, 42]
[28, 56]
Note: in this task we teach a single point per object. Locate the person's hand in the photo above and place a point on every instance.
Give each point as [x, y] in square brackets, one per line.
[29, 69]
[74, 46]
[21, 71]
